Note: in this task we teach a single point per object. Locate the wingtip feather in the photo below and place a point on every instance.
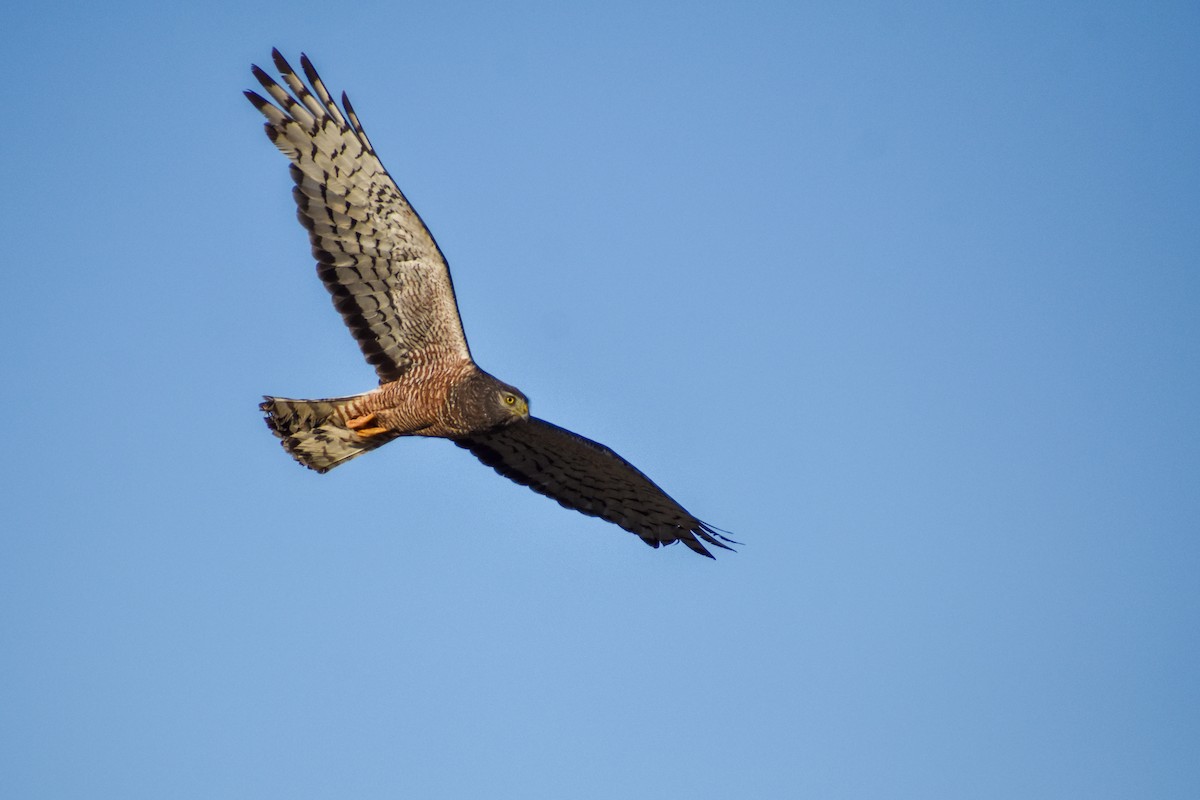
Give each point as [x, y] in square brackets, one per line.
[281, 63]
[258, 100]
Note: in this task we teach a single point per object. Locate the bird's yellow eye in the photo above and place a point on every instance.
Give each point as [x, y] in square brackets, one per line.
[510, 399]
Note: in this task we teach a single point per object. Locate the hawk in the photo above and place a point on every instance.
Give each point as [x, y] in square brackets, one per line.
[391, 284]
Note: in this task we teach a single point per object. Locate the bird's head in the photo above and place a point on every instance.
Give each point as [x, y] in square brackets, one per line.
[514, 402]
[480, 402]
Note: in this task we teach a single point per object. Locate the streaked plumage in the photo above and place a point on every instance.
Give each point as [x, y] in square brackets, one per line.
[391, 284]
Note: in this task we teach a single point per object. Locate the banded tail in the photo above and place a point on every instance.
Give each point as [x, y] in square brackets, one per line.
[315, 432]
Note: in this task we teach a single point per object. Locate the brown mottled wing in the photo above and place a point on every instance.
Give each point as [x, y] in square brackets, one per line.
[387, 276]
[591, 478]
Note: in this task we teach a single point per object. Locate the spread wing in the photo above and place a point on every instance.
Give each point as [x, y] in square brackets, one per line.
[591, 478]
[387, 276]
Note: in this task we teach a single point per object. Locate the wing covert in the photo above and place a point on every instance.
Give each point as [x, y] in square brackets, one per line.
[592, 479]
[385, 272]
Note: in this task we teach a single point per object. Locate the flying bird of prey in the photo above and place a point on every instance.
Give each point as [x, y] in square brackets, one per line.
[392, 286]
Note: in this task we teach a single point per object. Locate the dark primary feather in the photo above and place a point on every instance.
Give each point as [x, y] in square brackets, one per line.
[591, 478]
[386, 274]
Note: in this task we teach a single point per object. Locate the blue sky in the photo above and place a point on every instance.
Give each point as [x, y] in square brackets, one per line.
[905, 296]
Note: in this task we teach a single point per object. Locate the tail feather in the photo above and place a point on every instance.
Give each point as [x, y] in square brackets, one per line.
[314, 432]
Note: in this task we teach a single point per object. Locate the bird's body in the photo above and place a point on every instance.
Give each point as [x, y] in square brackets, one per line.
[449, 401]
[391, 283]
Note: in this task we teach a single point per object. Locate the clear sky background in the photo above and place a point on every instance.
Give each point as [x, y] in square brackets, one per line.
[906, 296]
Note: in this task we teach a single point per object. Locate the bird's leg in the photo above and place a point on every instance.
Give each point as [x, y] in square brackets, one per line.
[359, 426]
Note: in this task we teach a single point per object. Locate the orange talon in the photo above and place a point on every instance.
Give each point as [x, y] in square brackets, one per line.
[360, 422]
[359, 426]
[366, 432]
